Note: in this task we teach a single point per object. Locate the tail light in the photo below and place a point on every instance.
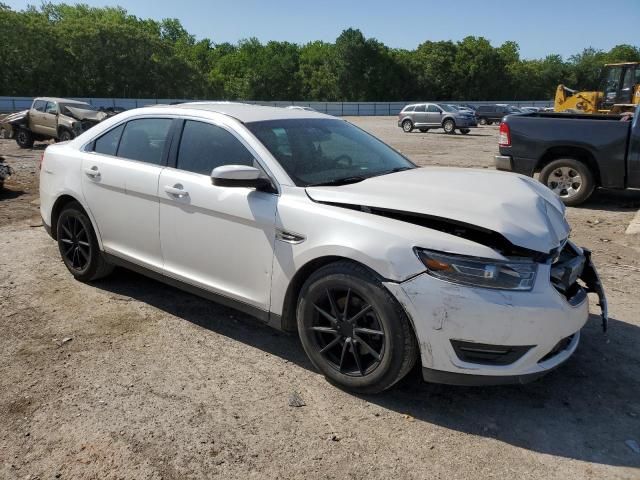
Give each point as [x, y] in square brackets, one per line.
[504, 139]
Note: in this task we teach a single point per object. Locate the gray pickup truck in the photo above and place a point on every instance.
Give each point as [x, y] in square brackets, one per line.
[48, 118]
[573, 153]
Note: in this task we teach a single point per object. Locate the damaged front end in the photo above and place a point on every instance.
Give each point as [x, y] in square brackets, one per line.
[573, 274]
[79, 120]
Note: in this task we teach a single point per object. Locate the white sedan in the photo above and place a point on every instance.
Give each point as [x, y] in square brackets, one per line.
[311, 224]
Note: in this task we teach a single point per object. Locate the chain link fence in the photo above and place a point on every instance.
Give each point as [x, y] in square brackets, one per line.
[15, 104]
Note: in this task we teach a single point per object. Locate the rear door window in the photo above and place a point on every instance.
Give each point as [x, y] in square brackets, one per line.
[145, 140]
[39, 105]
[204, 146]
[421, 108]
[107, 144]
[433, 109]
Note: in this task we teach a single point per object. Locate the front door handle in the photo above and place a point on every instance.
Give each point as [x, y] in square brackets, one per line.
[92, 172]
[176, 191]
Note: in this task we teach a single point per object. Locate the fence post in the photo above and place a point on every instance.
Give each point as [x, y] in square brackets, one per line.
[342, 109]
[389, 105]
[13, 102]
[358, 105]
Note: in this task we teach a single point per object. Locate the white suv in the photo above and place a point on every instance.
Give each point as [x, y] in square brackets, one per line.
[311, 224]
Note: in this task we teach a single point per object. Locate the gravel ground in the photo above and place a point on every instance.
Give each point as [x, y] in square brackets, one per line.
[128, 378]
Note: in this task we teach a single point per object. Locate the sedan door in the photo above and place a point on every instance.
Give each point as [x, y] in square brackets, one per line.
[217, 238]
[120, 186]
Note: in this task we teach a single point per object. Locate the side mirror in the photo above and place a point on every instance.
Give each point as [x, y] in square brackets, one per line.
[239, 176]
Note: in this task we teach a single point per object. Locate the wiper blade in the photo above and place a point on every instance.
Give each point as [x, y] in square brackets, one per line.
[338, 181]
[393, 170]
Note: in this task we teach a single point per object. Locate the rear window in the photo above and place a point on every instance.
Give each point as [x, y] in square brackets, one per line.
[107, 144]
[144, 140]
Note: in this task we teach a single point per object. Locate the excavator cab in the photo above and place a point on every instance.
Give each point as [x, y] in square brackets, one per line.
[618, 92]
[620, 84]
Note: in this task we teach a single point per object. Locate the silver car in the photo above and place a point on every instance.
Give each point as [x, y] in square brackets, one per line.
[426, 116]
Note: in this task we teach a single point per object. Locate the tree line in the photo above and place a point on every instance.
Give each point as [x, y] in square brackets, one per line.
[81, 51]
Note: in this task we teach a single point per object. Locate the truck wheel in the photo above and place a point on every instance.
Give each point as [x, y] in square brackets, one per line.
[482, 121]
[353, 330]
[65, 135]
[24, 138]
[407, 126]
[570, 179]
[449, 126]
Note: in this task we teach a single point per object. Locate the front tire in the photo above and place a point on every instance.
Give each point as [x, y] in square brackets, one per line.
[449, 126]
[78, 245]
[353, 330]
[482, 121]
[65, 135]
[407, 126]
[570, 179]
[24, 138]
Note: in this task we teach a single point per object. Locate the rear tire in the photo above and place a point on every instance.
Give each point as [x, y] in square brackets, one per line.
[424, 130]
[464, 131]
[570, 179]
[24, 138]
[353, 330]
[407, 126]
[482, 121]
[78, 245]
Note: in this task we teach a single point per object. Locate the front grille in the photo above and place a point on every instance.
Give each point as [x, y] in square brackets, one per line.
[561, 346]
[486, 354]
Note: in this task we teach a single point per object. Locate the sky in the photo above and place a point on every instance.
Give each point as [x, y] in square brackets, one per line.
[540, 27]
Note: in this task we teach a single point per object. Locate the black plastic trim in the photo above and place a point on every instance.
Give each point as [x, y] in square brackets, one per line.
[487, 354]
[470, 380]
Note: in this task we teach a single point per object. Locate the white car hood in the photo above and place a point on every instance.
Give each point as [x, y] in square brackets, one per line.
[519, 208]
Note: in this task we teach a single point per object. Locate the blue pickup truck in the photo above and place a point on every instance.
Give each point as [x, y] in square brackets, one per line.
[573, 153]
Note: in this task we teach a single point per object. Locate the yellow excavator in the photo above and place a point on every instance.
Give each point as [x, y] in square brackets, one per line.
[619, 92]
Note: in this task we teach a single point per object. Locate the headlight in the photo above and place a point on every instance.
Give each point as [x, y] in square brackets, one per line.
[479, 272]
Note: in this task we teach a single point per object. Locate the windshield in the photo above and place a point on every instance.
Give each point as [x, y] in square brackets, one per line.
[326, 151]
[448, 108]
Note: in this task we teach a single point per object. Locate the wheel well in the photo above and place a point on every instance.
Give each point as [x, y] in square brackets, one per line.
[61, 202]
[290, 305]
[576, 153]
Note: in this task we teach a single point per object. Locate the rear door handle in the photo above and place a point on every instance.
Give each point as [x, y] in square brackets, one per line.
[176, 191]
[92, 172]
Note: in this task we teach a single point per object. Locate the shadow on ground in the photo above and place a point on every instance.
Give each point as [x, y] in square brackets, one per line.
[585, 410]
[6, 194]
[613, 200]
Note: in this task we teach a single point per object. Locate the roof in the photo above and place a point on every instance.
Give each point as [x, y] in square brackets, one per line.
[61, 100]
[251, 113]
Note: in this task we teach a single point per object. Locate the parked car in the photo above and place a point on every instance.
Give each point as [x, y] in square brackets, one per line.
[573, 153]
[462, 108]
[300, 107]
[490, 114]
[529, 109]
[311, 224]
[427, 116]
[53, 118]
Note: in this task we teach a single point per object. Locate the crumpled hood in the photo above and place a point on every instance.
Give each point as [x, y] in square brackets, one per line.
[521, 209]
[91, 115]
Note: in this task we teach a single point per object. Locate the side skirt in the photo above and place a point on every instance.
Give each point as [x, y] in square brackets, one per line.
[270, 319]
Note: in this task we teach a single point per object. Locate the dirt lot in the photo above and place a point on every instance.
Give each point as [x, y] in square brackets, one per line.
[128, 378]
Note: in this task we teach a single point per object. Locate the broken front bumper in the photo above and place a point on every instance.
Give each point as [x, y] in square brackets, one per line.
[479, 336]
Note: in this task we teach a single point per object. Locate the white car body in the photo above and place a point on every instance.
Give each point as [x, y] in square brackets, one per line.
[245, 247]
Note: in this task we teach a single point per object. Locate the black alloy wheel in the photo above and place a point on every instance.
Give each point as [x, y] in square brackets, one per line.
[348, 332]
